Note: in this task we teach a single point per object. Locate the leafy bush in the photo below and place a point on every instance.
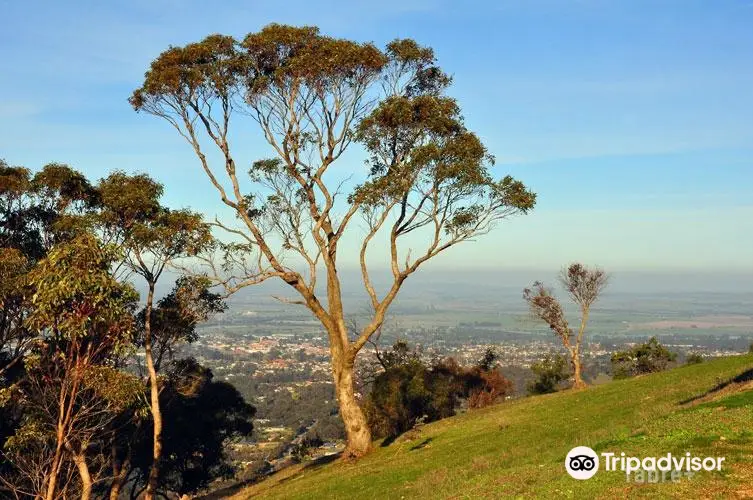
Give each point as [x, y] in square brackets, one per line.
[649, 357]
[550, 373]
[409, 390]
[406, 392]
[693, 359]
[303, 449]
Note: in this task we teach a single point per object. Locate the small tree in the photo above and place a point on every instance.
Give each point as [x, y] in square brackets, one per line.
[694, 358]
[311, 97]
[584, 286]
[83, 316]
[550, 373]
[649, 357]
[153, 237]
[489, 360]
[173, 323]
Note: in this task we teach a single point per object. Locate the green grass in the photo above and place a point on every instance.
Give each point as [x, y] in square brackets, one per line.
[518, 448]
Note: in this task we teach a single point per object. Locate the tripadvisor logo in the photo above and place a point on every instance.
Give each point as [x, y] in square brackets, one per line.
[582, 462]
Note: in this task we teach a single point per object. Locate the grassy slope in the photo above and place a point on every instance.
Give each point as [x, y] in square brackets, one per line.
[518, 448]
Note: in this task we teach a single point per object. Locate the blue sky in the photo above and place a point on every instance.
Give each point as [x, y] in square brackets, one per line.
[632, 120]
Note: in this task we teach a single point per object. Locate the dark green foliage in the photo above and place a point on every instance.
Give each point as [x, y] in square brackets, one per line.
[489, 360]
[202, 414]
[40, 210]
[176, 315]
[649, 357]
[303, 449]
[409, 390]
[68, 325]
[693, 359]
[550, 373]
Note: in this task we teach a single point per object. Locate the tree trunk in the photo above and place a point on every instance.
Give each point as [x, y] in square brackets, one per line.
[155, 409]
[354, 420]
[119, 472]
[86, 479]
[117, 485]
[578, 383]
[51, 492]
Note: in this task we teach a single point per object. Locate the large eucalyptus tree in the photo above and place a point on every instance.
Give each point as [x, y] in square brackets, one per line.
[312, 97]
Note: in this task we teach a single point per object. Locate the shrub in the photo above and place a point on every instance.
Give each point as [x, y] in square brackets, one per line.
[303, 449]
[410, 390]
[485, 387]
[649, 357]
[407, 391]
[550, 373]
[693, 359]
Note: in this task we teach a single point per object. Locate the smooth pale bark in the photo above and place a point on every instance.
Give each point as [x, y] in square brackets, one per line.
[65, 403]
[55, 467]
[155, 408]
[354, 420]
[83, 472]
[579, 383]
[120, 471]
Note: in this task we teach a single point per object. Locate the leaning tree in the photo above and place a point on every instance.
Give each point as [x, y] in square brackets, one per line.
[584, 286]
[426, 183]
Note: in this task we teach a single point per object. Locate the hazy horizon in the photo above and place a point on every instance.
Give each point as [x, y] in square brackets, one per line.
[630, 120]
[509, 283]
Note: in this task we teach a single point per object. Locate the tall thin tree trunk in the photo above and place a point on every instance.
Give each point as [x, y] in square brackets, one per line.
[58, 457]
[579, 383]
[119, 472]
[55, 467]
[577, 365]
[83, 472]
[155, 409]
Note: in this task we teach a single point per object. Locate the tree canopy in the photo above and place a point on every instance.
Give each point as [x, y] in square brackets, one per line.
[312, 96]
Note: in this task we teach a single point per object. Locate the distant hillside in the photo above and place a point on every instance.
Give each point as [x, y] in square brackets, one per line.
[519, 448]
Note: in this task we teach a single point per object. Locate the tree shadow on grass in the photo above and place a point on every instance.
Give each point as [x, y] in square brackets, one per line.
[426, 442]
[319, 462]
[313, 465]
[389, 440]
[746, 376]
[241, 485]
